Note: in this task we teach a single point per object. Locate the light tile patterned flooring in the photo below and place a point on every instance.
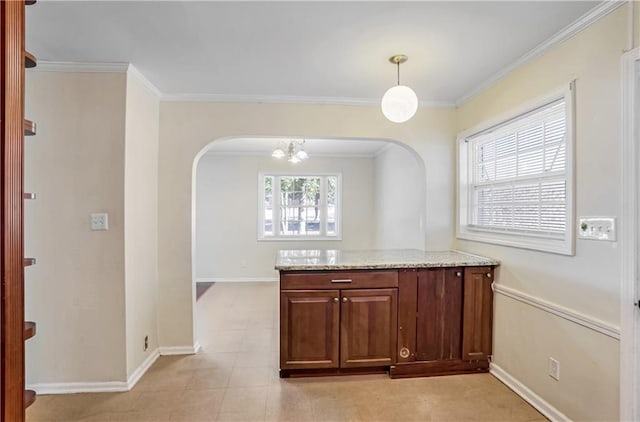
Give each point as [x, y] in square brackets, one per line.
[235, 378]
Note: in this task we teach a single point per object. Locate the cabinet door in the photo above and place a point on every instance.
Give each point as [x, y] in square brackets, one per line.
[309, 324]
[369, 322]
[477, 313]
[439, 320]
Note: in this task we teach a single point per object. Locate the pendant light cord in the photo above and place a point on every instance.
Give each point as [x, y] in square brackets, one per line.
[398, 64]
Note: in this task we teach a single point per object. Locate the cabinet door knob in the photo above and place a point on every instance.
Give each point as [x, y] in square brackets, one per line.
[344, 299]
[489, 275]
[458, 274]
[335, 299]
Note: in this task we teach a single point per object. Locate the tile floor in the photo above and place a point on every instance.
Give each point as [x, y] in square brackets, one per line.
[235, 378]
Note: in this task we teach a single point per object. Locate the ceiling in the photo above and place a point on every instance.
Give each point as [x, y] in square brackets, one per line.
[310, 51]
[314, 147]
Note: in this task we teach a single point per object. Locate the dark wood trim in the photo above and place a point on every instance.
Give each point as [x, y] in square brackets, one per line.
[294, 373]
[407, 312]
[30, 2]
[12, 394]
[434, 368]
[29, 329]
[29, 398]
[30, 60]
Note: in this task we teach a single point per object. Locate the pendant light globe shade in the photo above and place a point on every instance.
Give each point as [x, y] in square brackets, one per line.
[399, 103]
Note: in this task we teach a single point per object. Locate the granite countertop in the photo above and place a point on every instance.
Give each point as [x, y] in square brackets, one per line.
[336, 259]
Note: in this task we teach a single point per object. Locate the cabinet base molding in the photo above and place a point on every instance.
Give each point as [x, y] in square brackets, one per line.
[294, 373]
[438, 367]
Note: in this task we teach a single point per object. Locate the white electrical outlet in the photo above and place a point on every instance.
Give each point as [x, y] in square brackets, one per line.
[597, 228]
[100, 221]
[554, 369]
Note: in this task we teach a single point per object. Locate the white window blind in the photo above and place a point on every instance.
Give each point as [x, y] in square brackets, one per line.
[518, 173]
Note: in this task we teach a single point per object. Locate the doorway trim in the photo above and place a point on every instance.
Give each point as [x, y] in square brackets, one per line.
[630, 237]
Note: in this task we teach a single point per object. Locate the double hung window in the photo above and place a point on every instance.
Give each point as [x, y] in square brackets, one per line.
[299, 206]
[516, 178]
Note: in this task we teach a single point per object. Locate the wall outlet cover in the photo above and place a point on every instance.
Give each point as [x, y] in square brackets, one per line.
[100, 221]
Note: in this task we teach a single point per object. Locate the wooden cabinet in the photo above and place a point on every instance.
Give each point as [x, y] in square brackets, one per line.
[439, 314]
[368, 324]
[478, 313]
[416, 322]
[338, 320]
[309, 329]
[444, 321]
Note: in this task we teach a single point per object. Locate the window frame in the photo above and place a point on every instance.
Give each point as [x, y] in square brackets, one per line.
[563, 245]
[323, 204]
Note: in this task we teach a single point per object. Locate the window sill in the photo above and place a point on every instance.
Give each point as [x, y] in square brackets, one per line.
[298, 239]
[560, 247]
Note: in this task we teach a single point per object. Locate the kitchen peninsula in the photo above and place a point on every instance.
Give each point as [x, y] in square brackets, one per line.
[408, 312]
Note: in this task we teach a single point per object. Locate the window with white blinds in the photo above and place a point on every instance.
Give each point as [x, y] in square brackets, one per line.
[517, 179]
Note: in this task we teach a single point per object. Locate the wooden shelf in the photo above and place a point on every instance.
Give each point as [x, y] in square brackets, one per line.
[29, 60]
[29, 128]
[29, 329]
[27, 195]
[29, 398]
[27, 262]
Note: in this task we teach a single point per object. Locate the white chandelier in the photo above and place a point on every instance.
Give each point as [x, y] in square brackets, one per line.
[399, 103]
[294, 152]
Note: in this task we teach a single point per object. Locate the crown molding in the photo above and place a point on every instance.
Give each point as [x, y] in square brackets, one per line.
[592, 16]
[146, 82]
[289, 99]
[81, 67]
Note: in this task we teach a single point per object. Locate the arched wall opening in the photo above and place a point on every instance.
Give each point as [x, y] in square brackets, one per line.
[383, 204]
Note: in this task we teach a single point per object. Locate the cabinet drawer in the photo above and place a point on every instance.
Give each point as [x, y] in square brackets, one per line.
[338, 280]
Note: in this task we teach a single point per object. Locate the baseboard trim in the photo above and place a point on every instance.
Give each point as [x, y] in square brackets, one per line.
[97, 387]
[142, 369]
[179, 350]
[236, 279]
[527, 394]
[594, 324]
[79, 387]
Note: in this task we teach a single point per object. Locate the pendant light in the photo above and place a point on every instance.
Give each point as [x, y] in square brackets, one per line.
[399, 103]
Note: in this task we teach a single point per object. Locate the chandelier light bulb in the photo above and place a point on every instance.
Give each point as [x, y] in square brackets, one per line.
[399, 103]
[302, 155]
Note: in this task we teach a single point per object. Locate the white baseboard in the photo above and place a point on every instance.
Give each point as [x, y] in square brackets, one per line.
[96, 387]
[142, 369]
[79, 387]
[236, 279]
[179, 350]
[529, 396]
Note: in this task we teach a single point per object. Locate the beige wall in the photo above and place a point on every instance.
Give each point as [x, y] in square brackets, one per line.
[140, 219]
[588, 282]
[187, 127]
[400, 199]
[75, 165]
[227, 213]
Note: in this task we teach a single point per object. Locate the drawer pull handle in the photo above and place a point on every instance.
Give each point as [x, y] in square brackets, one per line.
[342, 280]
[344, 299]
[335, 299]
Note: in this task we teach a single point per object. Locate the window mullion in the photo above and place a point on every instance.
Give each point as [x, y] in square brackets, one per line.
[276, 207]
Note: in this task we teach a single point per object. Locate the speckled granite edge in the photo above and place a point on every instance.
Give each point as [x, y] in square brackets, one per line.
[333, 259]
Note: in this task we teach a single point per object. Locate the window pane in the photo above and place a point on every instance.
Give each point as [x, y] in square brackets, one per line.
[301, 209]
[519, 179]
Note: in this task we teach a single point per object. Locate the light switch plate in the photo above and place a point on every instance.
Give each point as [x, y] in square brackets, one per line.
[597, 228]
[99, 221]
